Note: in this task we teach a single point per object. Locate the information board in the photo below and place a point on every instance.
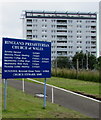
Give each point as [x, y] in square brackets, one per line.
[26, 59]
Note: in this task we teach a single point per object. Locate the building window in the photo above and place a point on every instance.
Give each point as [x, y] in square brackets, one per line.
[70, 26]
[88, 47]
[79, 37]
[87, 42]
[44, 36]
[79, 31]
[70, 41]
[70, 52]
[87, 21]
[87, 37]
[35, 20]
[35, 36]
[70, 31]
[79, 47]
[70, 47]
[35, 25]
[79, 26]
[44, 31]
[53, 31]
[70, 36]
[88, 26]
[53, 26]
[79, 21]
[34, 30]
[44, 20]
[88, 31]
[70, 21]
[53, 36]
[79, 42]
[44, 25]
[53, 20]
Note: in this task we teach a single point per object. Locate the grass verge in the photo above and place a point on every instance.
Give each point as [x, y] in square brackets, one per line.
[0, 99]
[21, 105]
[83, 87]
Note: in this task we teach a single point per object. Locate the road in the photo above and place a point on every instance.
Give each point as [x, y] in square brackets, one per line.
[83, 105]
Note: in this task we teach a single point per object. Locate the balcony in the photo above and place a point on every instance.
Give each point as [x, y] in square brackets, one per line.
[62, 49]
[63, 32]
[93, 37]
[29, 26]
[29, 32]
[61, 21]
[93, 27]
[62, 52]
[29, 21]
[29, 36]
[93, 42]
[61, 55]
[61, 43]
[61, 37]
[61, 26]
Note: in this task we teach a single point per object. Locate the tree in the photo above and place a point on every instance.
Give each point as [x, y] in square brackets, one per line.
[99, 63]
[80, 56]
[92, 61]
[62, 62]
[85, 61]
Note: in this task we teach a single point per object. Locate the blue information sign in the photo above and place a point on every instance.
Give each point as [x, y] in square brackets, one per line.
[26, 59]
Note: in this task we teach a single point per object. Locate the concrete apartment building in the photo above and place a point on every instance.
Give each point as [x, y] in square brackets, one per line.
[68, 32]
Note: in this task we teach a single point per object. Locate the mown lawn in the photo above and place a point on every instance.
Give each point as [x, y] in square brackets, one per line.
[21, 105]
[87, 87]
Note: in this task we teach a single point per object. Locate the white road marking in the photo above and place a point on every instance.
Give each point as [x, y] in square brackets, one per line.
[65, 90]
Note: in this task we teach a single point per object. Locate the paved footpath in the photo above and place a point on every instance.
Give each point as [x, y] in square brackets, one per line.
[81, 104]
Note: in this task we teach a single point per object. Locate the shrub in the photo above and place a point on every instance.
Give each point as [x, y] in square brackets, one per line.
[73, 74]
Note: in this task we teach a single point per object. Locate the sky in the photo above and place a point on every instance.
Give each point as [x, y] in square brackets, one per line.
[10, 13]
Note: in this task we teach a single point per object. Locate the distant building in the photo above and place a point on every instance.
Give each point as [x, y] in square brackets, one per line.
[68, 32]
[100, 28]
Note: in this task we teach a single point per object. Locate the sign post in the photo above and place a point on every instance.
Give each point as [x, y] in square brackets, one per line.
[5, 94]
[52, 95]
[25, 59]
[44, 94]
[23, 85]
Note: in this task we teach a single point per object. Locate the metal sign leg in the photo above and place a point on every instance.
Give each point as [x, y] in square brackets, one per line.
[44, 94]
[52, 95]
[5, 94]
[23, 85]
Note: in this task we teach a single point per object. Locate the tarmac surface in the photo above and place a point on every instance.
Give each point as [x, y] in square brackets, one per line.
[83, 105]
